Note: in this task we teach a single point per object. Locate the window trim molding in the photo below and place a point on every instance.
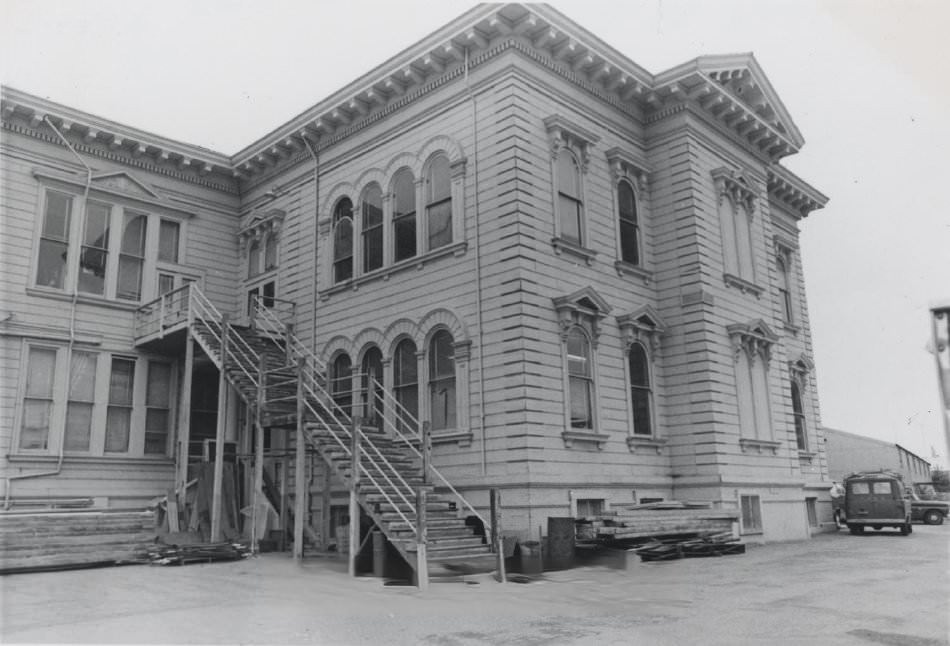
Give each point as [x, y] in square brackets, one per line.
[567, 136]
[624, 167]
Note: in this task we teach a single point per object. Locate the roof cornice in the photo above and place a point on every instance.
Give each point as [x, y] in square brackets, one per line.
[791, 190]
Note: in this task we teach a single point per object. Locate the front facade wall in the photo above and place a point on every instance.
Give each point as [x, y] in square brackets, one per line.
[72, 319]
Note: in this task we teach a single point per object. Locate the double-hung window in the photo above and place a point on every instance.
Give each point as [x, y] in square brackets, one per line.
[406, 385]
[82, 400]
[38, 398]
[343, 240]
[52, 263]
[404, 215]
[372, 204]
[581, 380]
[570, 204]
[442, 381]
[439, 203]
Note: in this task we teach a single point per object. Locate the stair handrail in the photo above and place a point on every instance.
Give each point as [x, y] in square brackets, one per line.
[410, 503]
[432, 469]
[205, 310]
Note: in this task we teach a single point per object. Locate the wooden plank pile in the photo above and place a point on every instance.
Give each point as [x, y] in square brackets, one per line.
[706, 544]
[52, 539]
[161, 554]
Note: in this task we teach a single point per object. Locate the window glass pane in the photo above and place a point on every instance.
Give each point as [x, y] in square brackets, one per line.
[270, 252]
[404, 189]
[56, 220]
[373, 249]
[568, 177]
[570, 213]
[629, 232]
[372, 228]
[42, 368]
[133, 234]
[51, 265]
[130, 278]
[121, 382]
[158, 393]
[440, 224]
[441, 355]
[168, 240]
[95, 250]
[156, 431]
[166, 283]
[882, 488]
[341, 382]
[640, 401]
[82, 377]
[34, 430]
[372, 206]
[578, 353]
[442, 380]
[405, 364]
[254, 258]
[406, 385]
[627, 202]
[639, 371]
[118, 422]
[97, 226]
[372, 380]
[343, 249]
[78, 426]
[405, 237]
[440, 181]
[860, 488]
[267, 294]
[580, 403]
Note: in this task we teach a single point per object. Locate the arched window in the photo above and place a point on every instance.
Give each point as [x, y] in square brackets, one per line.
[784, 288]
[341, 387]
[629, 226]
[798, 412]
[406, 385]
[570, 206]
[343, 240]
[404, 215]
[372, 387]
[372, 228]
[580, 375]
[442, 381]
[641, 394]
[439, 202]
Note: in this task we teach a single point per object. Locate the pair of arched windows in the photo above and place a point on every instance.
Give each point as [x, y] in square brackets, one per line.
[581, 384]
[369, 404]
[404, 220]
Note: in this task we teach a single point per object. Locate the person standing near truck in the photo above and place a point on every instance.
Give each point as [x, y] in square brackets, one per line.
[837, 503]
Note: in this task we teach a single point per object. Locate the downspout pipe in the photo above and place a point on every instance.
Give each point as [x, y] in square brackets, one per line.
[478, 272]
[72, 329]
[311, 148]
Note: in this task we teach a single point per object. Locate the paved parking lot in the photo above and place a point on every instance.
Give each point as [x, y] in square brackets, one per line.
[835, 589]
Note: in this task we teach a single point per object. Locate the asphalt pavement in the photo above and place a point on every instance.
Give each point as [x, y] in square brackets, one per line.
[880, 588]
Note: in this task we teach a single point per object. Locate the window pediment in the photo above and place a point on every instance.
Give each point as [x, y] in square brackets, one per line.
[736, 186]
[563, 132]
[755, 338]
[799, 368]
[124, 183]
[622, 164]
[260, 226]
[120, 185]
[585, 307]
[642, 325]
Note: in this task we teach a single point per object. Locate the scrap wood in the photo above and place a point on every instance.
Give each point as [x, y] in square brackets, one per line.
[160, 554]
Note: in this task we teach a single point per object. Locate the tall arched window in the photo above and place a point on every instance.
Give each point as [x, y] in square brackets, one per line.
[641, 394]
[372, 228]
[404, 215]
[254, 258]
[439, 202]
[581, 379]
[341, 387]
[406, 385]
[784, 288]
[270, 251]
[798, 412]
[343, 240]
[629, 225]
[570, 205]
[372, 387]
[442, 381]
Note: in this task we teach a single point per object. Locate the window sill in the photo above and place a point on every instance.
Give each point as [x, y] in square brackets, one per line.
[626, 269]
[25, 458]
[806, 457]
[463, 437]
[742, 285]
[635, 442]
[791, 327]
[584, 437]
[85, 299]
[456, 249]
[562, 245]
[759, 446]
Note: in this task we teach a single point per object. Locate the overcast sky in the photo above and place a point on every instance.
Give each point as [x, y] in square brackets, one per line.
[866, 82]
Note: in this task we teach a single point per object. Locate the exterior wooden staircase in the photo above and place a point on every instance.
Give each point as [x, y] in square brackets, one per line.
[388, 469]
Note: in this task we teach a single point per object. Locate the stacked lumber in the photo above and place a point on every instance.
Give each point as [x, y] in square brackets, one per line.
[625, 524]
[160, 554]
[707, 544]
[51, 539]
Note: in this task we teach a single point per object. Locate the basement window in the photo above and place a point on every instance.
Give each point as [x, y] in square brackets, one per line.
[751, 514]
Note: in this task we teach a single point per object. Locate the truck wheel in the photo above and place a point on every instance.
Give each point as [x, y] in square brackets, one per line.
[933, 517]
[855, 529]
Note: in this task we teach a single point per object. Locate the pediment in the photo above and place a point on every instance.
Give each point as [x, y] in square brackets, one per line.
[644, 318]
[122, 182]
[586, 300]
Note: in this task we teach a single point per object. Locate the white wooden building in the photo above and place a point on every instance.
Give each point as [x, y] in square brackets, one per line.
[583, 279]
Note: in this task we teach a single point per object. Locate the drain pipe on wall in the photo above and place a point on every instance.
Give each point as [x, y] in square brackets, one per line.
[478, 272]
[72, 331]
[311, 148]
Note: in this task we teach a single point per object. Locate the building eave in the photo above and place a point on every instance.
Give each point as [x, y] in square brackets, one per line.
[798, 195]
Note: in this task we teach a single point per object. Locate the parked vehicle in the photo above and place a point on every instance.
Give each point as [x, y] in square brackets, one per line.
[923, 508]
[876, 500]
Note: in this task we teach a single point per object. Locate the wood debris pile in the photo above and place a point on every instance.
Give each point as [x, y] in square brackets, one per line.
[718, 544]
[160, 554]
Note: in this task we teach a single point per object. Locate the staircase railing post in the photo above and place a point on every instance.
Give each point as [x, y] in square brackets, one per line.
[252, 313]
[355, 448]
[496, 543]
[426, 451]
[288, 338]
[216, 497]
[258, 453]
[300, 466]
[422, 560]
[161, 315]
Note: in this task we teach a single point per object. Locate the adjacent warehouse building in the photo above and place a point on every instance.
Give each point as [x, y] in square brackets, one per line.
[849, 453]
[581, 278]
